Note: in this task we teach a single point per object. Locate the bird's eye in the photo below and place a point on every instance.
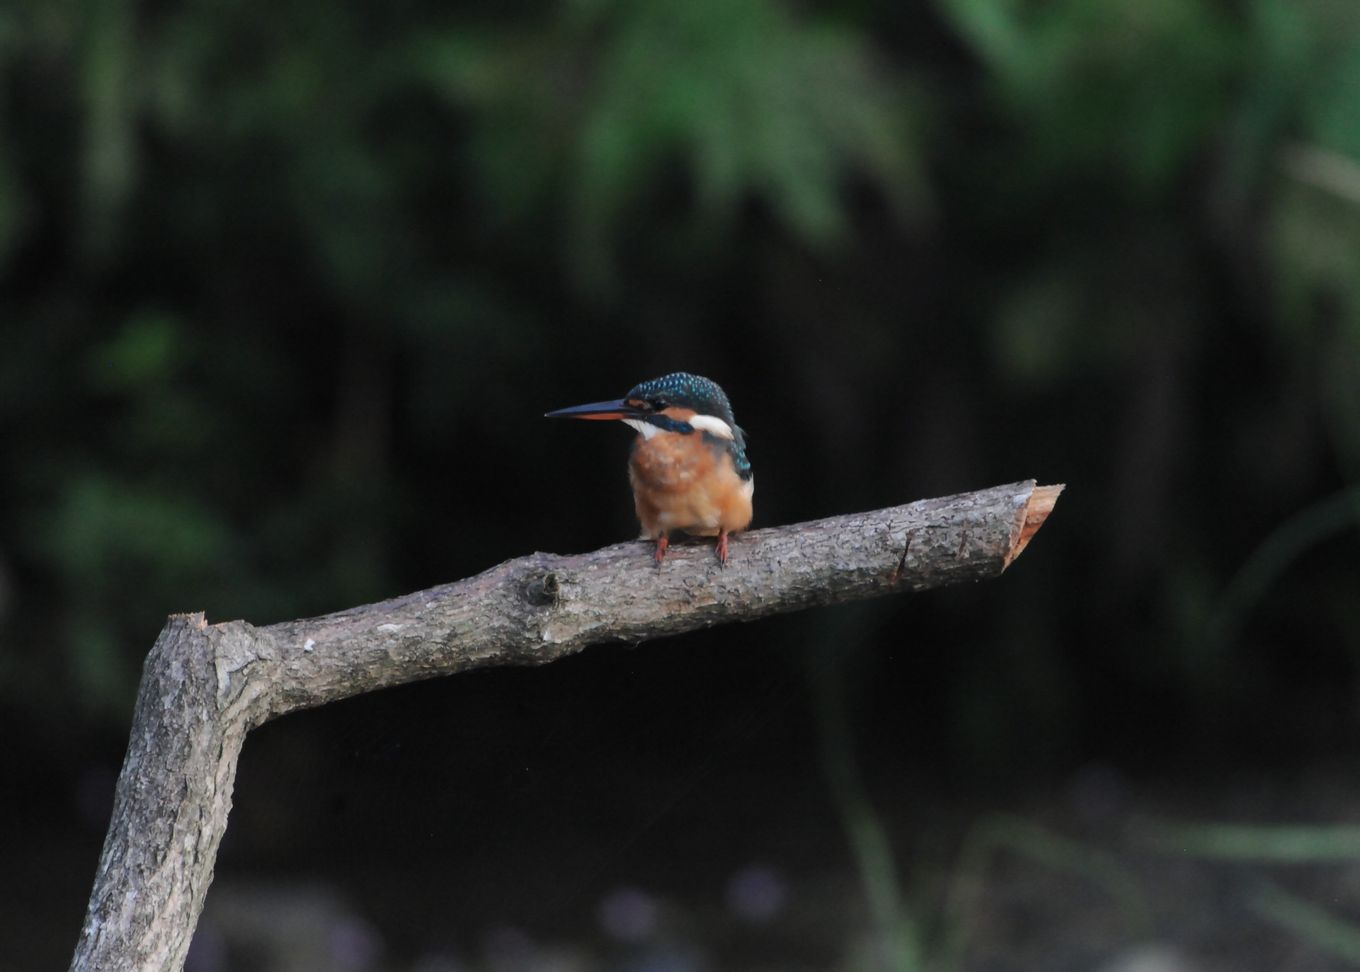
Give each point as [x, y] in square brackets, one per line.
[658, 404]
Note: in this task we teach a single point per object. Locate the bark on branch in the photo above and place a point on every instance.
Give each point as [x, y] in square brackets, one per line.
[205, 686]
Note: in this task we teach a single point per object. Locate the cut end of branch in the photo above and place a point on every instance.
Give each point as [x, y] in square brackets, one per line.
[1041, 502]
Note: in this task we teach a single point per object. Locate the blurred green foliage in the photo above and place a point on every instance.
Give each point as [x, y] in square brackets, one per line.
[282, 287]
[739, 100]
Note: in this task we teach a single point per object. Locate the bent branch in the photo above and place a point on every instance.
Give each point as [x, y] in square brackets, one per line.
[204, 687]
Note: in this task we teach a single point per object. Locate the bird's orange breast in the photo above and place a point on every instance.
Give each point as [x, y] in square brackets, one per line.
[686, 482]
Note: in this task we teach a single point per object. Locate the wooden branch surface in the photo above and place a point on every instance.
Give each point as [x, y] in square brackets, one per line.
[204, 687]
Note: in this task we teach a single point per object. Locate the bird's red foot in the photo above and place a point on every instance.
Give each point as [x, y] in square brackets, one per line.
[722, 548]
[662, 542]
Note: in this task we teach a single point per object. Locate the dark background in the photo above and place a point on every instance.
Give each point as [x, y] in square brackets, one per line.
[286, 287]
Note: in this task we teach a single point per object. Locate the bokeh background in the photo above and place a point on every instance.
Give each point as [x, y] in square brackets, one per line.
[286, 287]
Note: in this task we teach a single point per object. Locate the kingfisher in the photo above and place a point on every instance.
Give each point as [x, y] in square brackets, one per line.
[688, 465]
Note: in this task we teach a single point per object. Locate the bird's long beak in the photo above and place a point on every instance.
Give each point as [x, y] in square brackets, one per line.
[618, 409]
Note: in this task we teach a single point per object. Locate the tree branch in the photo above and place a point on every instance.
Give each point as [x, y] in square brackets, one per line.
[204, 687]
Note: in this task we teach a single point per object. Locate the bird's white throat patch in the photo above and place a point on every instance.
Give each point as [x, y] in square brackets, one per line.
[644, 429]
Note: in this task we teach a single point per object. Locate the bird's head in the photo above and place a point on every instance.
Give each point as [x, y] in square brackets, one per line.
[678, 402]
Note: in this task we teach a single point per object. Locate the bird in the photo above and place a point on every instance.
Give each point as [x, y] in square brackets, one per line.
[688, 466]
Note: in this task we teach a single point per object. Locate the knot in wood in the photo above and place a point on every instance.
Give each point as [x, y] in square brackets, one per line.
[543, 590]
